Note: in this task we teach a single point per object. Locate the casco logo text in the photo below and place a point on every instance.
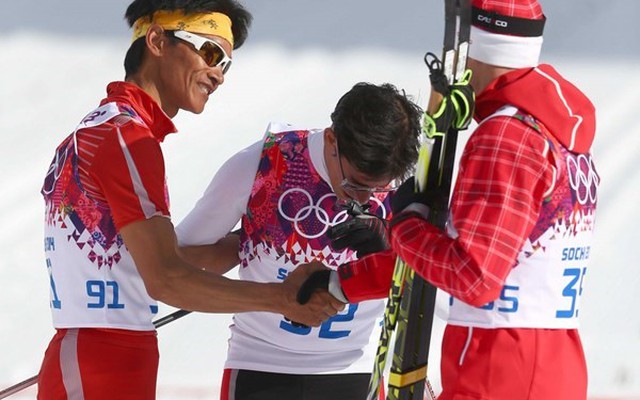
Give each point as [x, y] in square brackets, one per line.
[490, 21]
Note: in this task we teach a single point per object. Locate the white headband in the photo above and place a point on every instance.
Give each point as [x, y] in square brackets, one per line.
[504, 50]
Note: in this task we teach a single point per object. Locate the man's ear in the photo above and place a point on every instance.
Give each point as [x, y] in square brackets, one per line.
[330, 140]
[155, 40]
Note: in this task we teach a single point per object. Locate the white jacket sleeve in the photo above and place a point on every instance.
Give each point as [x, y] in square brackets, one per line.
[224, 201]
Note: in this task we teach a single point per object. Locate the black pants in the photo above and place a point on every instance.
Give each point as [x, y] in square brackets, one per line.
[255, 385]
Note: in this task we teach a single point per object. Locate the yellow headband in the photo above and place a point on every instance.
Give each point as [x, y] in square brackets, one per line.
[213, 24]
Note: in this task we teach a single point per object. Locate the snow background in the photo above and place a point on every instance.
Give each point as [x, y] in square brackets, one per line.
[302, 55]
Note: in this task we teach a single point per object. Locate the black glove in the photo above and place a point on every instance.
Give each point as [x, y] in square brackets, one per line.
[463, 99]
[296, 324]
[406, 202]
[325, 279]
[317, 280]
[365, 233]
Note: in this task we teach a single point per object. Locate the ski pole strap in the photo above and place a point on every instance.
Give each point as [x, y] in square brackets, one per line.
[402, 379]
[454, 111]
[438, 124]
[439, 81]
[463, 99]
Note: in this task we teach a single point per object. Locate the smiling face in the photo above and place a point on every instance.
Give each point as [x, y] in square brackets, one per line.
[175, 74]
[187, 80]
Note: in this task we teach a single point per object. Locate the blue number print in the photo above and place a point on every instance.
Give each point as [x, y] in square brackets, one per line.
[509, 299]
[98, 291]
[98, 294]
[510, 303]
[55, 303]
[116, 296]
[298, 330]
[488, 306]
[325, 329]
[570, 291]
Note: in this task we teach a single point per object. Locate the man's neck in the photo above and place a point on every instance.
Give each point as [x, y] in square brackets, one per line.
[142, 80]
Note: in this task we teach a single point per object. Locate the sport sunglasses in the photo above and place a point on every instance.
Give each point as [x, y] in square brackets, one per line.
[211, 52]
[347, 185]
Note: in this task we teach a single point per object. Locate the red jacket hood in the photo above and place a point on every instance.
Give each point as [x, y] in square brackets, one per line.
[561, 107]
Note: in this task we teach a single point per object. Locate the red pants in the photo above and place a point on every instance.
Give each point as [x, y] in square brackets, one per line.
[512, 364]
[99, 364]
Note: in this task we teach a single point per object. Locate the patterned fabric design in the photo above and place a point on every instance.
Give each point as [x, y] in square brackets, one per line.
[86, 219]
[291, 207]
[571, 206]
[87, 223]
[208, 23]
[529, 9]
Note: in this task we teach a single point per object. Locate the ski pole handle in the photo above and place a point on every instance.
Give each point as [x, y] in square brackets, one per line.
[170, 318]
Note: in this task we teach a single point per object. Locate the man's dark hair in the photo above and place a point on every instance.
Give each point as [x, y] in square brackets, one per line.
[377, 130]
[240, 21]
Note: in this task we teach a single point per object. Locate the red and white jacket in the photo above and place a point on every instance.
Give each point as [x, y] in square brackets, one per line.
[105, 175]
[522, 212]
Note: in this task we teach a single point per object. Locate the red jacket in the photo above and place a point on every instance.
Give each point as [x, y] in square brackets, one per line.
[503, 176]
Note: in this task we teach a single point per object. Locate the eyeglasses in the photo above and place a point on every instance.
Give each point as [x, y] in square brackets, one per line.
[211, 52]
[354, 187]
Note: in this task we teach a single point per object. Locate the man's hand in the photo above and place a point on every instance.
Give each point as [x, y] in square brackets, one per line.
[406, 195]
[365, 233]
[321, 280]
[320, 306]
[406, 202]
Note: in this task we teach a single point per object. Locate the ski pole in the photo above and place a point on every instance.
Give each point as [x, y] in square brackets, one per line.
[31, 381]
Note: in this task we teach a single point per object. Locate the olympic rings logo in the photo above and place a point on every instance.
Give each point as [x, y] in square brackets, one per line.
[583, 178]
[314, 216]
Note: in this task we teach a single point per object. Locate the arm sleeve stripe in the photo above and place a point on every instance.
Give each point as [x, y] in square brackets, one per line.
[147, 206]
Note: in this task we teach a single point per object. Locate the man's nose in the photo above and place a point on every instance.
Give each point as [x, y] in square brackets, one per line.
[362, 196]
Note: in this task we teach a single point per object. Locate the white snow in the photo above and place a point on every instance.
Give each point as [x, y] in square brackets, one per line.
[48, 83]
